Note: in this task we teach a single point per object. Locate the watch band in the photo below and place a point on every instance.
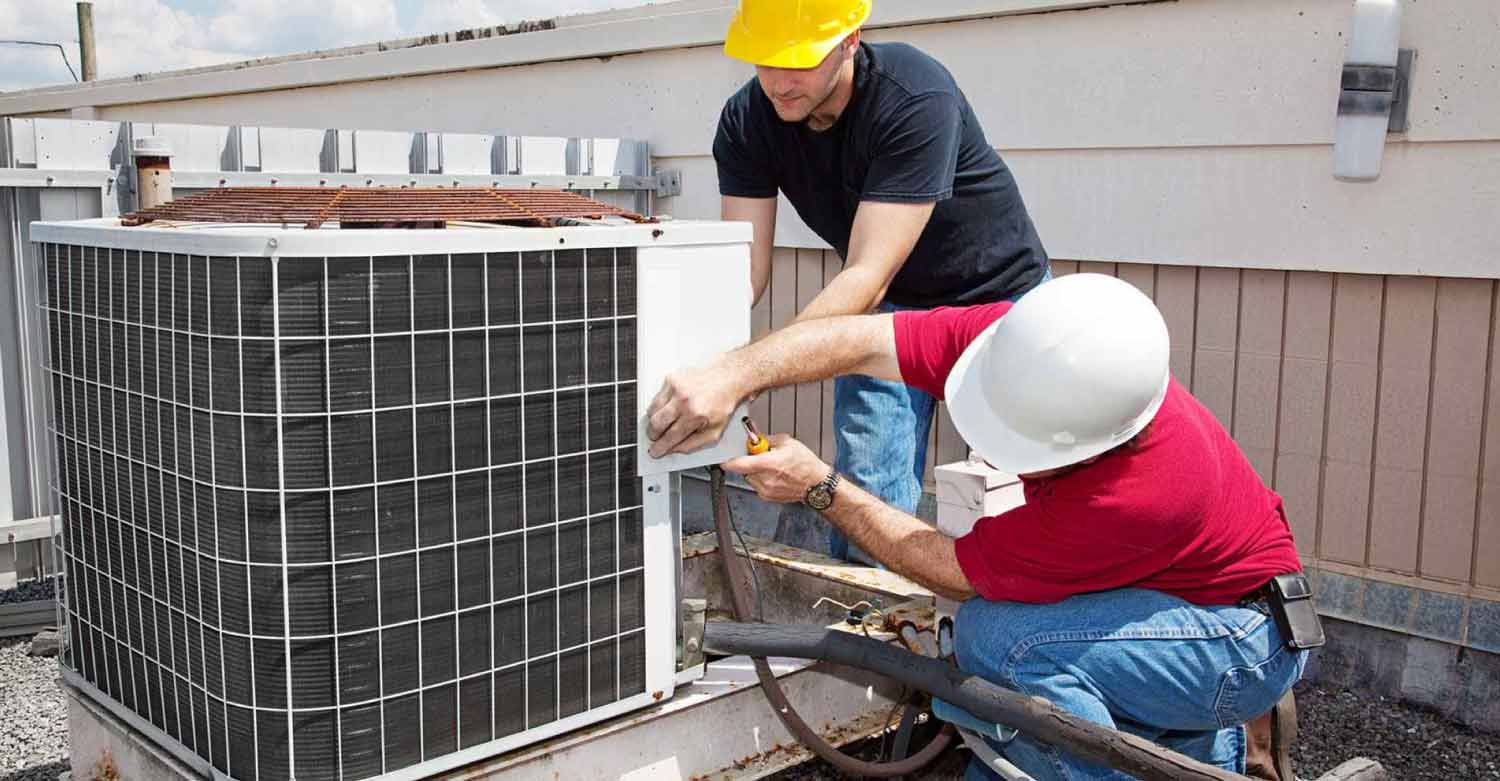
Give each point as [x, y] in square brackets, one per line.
[820, 496]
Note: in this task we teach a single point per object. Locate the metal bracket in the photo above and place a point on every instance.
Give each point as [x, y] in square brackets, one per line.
[1401, 93]
[694, 615]
[1379, 89]
[668, 182]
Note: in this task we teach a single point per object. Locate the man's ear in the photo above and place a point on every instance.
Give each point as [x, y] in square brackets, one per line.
[850, 43]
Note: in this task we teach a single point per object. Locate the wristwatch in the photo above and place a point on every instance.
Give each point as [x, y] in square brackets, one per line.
[820, 496]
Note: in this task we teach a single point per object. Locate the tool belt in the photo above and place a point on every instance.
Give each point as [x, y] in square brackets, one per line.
[1289, 601]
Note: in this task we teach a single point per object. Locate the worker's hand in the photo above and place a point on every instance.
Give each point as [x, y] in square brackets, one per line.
[692, 408]
[782, 474]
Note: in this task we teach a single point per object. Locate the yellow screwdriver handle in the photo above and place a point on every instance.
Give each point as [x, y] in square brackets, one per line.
[756, 443]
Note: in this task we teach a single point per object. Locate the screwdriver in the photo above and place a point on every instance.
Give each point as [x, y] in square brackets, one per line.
[755, 443]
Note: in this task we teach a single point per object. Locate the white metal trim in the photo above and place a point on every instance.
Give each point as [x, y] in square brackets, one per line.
[36, 177]
[660, 587]
[273, 241]
[28, 529]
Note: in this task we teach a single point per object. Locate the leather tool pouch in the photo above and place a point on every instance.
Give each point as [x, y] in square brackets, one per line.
[1291, 604]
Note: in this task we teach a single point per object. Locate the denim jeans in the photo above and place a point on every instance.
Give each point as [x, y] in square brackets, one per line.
[1182, 675]
[880, 434]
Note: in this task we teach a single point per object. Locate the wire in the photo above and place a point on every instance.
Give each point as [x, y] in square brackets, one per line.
[760, 606]
[58, 46]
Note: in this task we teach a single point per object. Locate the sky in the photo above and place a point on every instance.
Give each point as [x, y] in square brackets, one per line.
[143, 36]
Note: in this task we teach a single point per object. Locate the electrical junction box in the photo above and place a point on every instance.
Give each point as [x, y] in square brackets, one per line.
[966, 492]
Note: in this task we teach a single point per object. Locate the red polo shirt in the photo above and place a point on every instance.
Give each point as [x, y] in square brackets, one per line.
[1183, 512]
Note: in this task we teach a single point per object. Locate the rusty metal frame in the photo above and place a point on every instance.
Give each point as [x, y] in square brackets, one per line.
[405, 207]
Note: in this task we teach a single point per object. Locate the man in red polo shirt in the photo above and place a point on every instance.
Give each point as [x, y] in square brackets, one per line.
[1134, 586]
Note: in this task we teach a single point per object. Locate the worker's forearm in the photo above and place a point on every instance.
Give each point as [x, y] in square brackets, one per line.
[855, 291]
[906, 545]
[813, 351]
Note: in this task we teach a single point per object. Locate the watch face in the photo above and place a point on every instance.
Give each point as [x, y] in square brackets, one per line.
[819, 497]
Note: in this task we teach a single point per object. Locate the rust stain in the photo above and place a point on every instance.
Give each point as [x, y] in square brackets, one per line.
[656, 695]
[104, 769]
[920, 614]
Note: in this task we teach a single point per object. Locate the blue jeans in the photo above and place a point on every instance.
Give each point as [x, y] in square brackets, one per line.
[876, 423]
[880, 433]
[1185, 676]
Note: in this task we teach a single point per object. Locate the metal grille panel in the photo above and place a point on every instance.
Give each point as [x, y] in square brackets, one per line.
[333, 517]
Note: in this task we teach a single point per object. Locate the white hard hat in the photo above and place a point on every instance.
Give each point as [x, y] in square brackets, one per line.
[1078, 366]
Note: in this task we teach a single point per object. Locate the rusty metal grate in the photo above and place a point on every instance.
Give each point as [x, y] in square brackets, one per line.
[407, 207]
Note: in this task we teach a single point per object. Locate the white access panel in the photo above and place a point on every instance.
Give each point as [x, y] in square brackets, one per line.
[695, 305]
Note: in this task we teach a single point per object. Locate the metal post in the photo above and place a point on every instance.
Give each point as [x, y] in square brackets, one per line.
[153, 170]
[86, 40]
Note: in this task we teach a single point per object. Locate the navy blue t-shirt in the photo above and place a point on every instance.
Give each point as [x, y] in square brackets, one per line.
[907, 135]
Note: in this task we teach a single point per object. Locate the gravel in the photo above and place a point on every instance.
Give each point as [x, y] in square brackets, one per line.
[1413, 744]
[33, 715]
[30, 591]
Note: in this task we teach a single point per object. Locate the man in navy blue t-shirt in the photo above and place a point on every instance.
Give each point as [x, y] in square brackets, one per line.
[879, 152]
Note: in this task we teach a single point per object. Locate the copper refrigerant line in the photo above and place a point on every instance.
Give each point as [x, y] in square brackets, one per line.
[381, 207]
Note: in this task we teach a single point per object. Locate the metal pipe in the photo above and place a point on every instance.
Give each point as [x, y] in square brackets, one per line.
[735, 583]
[153, 171]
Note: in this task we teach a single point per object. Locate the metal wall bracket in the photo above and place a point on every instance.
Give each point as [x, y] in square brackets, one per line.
[668, 182]
[1379, 89]
[1401, 94]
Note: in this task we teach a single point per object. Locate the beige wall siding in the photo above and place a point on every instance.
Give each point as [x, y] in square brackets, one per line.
[1455, 426]
[1367, 402]
[1349, 429]
[1303, 400]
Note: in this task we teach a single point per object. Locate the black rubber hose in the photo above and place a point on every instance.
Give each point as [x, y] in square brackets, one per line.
[735, 584]
[1034, 716]
[902, 743]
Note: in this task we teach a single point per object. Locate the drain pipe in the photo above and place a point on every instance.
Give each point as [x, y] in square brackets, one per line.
[153, 171]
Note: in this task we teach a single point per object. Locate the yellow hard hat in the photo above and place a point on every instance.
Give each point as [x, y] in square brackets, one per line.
[791, 33]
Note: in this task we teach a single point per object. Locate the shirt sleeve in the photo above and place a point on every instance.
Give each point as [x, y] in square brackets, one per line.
[915, 152]
[743, 170]
[929, 342]
[1042, 553]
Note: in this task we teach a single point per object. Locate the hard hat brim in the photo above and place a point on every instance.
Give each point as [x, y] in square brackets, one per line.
[799, 56]
[1006, 449]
